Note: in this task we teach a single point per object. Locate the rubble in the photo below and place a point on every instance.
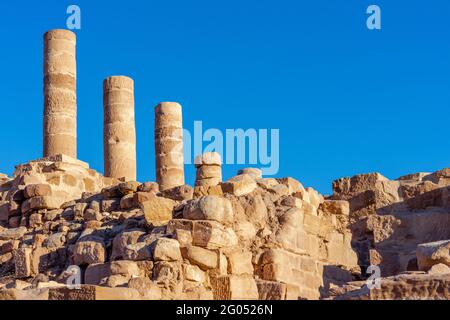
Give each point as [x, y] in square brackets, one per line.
[69, 233]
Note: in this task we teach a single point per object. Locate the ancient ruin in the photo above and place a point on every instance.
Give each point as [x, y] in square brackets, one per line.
[69, 233]
[169, 145]
[119, 133]
[60, 97]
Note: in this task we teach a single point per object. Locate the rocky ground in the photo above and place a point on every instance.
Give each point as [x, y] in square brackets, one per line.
[67, 232]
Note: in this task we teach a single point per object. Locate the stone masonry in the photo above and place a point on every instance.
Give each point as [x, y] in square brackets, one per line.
[209, 169]
[60, 99]
[119, 129]
[249, 237]
[169, 145]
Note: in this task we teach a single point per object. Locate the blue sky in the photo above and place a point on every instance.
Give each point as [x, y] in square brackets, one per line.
[346, 100]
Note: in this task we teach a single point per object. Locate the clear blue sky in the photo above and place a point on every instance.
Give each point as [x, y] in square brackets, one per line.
[346, 100]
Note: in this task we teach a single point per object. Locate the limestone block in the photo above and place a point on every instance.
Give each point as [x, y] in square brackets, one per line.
[271, 290]
[90, 292]
[292, 184]
[240, 185]
[240, 262]
[193, 273]
[205, 259]
[128, 187]
[42, 202]
[179, 193]
[89, 251]
[209, 208]
[148, 289]
[339, 207]
[165, 249]
[208, 159]
[234, 287]
[213, 235]
[36, 190]
[439, 268]
[140, 197]
[158, 210]
[254, 172]
[429, 254]
[149, 187]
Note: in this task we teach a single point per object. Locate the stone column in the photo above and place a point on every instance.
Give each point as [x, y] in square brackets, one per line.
[169, 145]
[119, 133]
[209, 169]
[60, 98]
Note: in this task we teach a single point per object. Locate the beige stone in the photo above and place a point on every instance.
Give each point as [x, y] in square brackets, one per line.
[439, 268]
[60, 105]
[193, 273]
[233, 287]
[205, 259]
[35, 190]
[89, 251]
[165, 249]
[429, 254]
[158, 210]
[213, 235]
[169, 145]
[240, 262]
[254, 172]
[119, 129]
[240, 185]
[42, 202]
[209, 208]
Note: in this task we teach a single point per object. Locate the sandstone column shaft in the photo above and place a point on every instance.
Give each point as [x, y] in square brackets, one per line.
[119, 131]
[60, 99]
[169, 145]
[209, 169]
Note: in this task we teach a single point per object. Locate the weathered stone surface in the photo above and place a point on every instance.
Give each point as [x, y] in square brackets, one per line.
[119, 130]
[209, 208]
[205, 259]
[89, 251]
[179, 193]
[169, 145]
[36, 190]
[240, 185]
[213, 235]
[60, 101]
[430, 254]
[158, 210]
[165, 249]
[13, 234]
[253, 172]
[234, 287]
[42, 202]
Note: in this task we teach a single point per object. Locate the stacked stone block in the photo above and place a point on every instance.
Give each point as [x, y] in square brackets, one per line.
[119, 128]
[209, 169]
[60, 99]
[169, 145]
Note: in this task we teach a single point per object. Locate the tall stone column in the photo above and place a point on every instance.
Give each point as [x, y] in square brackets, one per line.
[60, 98]
[169, 145]
[119, 133]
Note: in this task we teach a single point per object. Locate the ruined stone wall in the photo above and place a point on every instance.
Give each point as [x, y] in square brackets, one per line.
[390, 218]
[246, 238]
